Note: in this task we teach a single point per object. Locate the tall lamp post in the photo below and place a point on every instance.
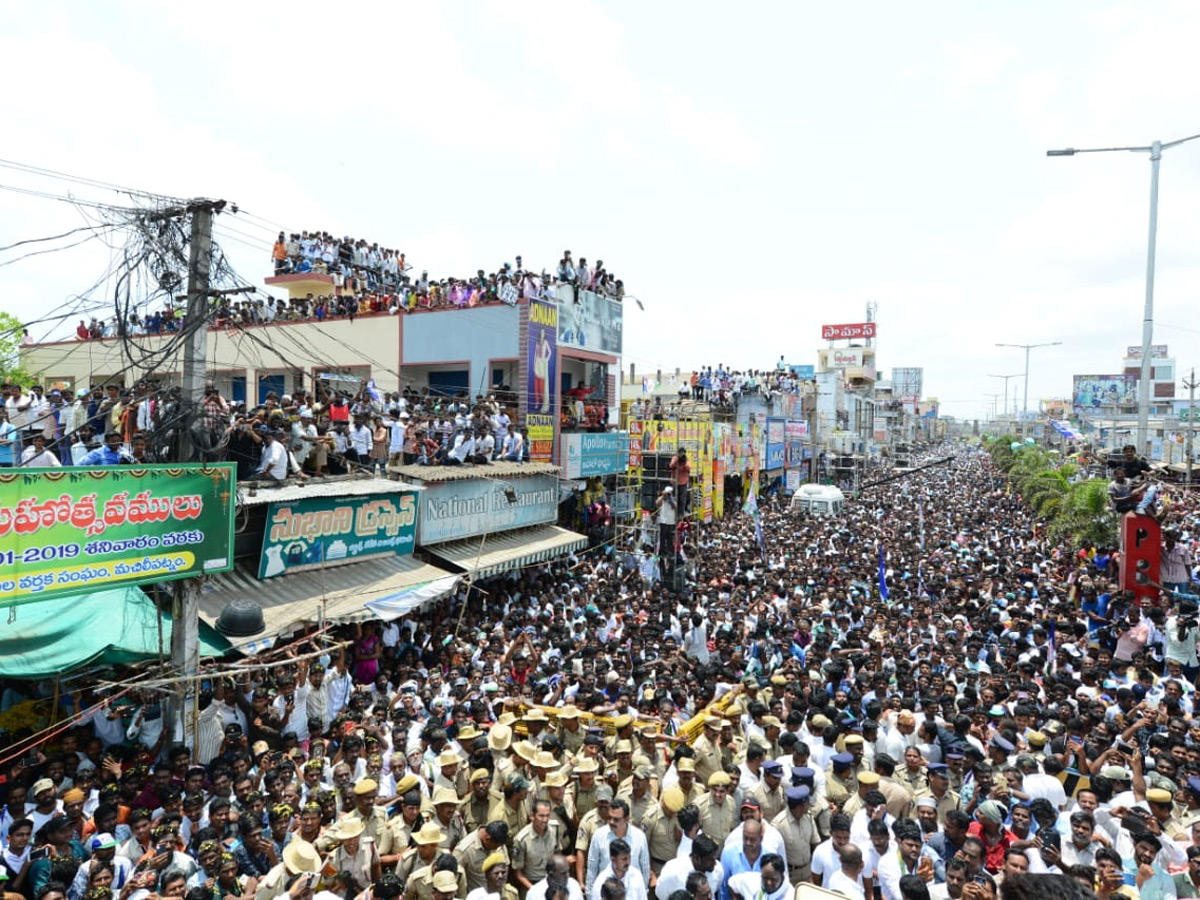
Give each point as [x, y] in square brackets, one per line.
[1155, 150]
[1027, 348]
[1005, 377]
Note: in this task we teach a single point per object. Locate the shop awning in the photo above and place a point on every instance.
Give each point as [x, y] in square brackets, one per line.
[121, 625]
[509, 549]
[337, 593]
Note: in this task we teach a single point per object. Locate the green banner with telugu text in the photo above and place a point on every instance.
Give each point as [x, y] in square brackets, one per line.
[76, 530]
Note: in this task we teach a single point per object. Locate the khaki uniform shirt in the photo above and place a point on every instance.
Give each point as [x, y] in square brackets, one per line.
[531, 852]
[470, 854]
[950, 800]
[899, 797]
[716, 821]
[708, 759]
[475, 812]
[799, 838]
[504, 811]
[662, 838]
[420, 884]
[572, 741]
[375, 827]
[587, 827]
[582, 801]
[773, 802]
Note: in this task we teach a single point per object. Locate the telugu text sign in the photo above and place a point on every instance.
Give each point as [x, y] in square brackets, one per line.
[848, 332]
[79, 530]
[319, 532]
[586, 454]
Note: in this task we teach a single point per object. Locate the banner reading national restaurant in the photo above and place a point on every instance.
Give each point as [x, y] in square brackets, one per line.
[77, 530]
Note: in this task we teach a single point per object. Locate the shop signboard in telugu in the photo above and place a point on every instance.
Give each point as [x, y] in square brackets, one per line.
[1157, 351]
[318, 532]
[541, 419]
[589, 321]
[587, 454]
[80, 530]
[847, 358]
[848, 332]
[453, 510]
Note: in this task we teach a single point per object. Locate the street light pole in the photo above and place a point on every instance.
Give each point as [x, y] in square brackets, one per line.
[1006, 377]
[1155, 150]
[1027, 348]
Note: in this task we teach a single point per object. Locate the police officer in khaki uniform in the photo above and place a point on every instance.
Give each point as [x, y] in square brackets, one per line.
[708, 750]
[476, 847]
[374, 819]
[570, 732]
[511, 808]
[839, 779]
[636, 792]
[939, 790]
[769, 790]
[718, 815]
[588, 823]
[662, 829]
[445, 813]
[423, 852]
[583, 791]
[475, 806]
[795, 824]
[534, 845]
[423, 884]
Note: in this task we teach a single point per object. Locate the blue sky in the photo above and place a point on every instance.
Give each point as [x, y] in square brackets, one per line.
[750, 174]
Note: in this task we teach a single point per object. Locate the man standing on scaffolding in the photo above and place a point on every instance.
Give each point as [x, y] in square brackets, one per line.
[668, 515]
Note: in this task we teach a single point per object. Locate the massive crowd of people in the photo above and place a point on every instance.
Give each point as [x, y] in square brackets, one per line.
[926, 696]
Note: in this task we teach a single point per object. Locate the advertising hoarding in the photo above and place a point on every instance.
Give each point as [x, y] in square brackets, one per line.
[318, 532]
[589, 321]
[1099, 391]
[848, 332]
[804, 373]
[776, 451]
[78, 530]
[452, 510]
[844, 358]
[584, 455]
[1157, 351]
[541, 416]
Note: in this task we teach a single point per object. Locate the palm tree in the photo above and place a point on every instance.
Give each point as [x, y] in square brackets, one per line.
[1085, 515]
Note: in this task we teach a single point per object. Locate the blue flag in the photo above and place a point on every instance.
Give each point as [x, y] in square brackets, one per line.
[883, 588]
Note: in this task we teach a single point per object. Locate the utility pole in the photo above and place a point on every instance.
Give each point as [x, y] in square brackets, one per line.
[185, 605]
[1190, 384]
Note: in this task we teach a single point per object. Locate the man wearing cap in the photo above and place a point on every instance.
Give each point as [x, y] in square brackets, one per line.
[662, 828]
[795, 824]
[637, 793]
[570, 733]
[938, 789]
[718, 815]
[769, 791]
[496, 870]
[374, 819]
[589, 823]
[447, 818]
[442, 885]
[534, 845]
[299, 858]
[685, 769]
[512, 808]
[708, 750]
[426, 843]
[582, 792]
[102, 847]
[46, 804]
[475, 806]
[839, 779]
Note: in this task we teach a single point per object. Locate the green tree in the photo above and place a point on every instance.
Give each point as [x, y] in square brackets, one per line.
[11, 332]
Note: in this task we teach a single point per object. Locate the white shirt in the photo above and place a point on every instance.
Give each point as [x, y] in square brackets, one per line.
[538, 891]
[635, 885]
[674, 878]
[274, 461]
[360, 439]
[842, 883]
[31, 459]
[825, 861]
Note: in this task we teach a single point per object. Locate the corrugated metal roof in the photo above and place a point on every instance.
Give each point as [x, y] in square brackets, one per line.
[295, 599]
[509, 550]
[432, 474]
[260, 494]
